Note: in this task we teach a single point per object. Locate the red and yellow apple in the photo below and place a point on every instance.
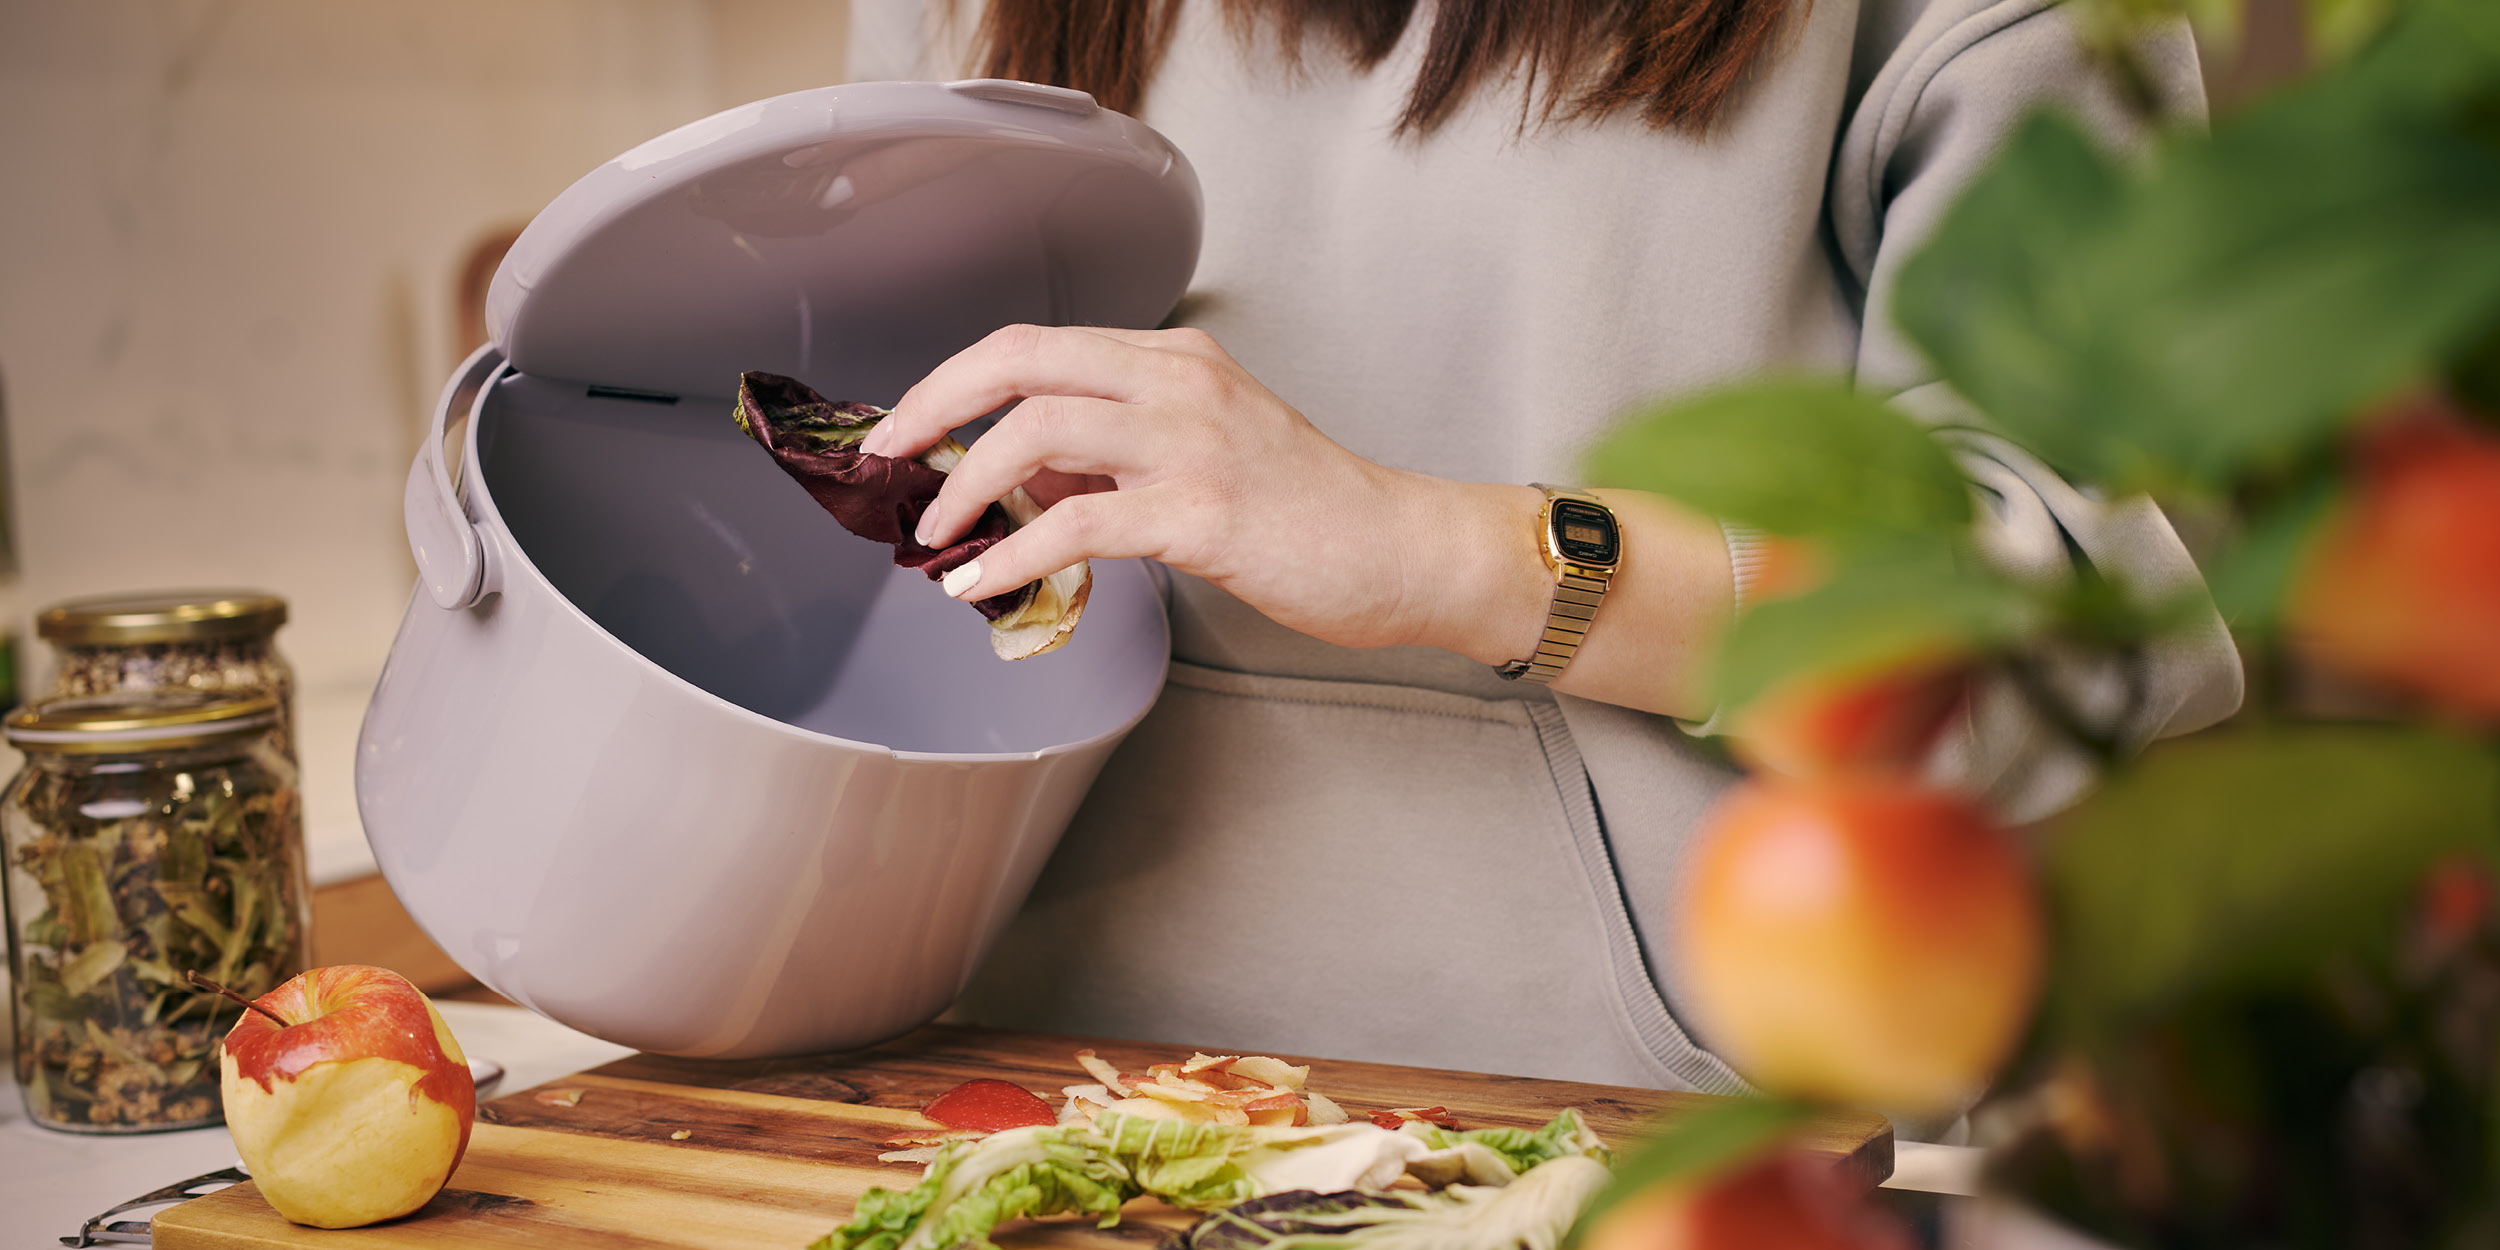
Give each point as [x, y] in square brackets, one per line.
[2404, 584]
[357, 1108]
[1877, 721]
[1787, 1199]
[1868, 941]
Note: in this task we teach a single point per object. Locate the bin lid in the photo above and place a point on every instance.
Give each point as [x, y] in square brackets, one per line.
[851, 236]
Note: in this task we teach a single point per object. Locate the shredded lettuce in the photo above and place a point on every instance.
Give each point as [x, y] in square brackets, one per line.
[1534, 1212]
[1073, 1169]
[1198, 1165]
[972, 1187]
[1492, 1156]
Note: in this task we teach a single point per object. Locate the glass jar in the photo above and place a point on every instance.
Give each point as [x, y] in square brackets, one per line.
[192, 639]
[150, 834]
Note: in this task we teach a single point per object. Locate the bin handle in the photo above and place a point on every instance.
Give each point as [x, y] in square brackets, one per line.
[451, 559]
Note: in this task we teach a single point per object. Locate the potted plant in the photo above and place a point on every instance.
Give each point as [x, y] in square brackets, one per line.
[2247, 991]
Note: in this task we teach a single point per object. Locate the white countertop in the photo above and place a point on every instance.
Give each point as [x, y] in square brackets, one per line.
[51, 1182]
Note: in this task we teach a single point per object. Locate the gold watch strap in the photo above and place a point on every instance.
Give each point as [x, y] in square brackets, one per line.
[1578, 590]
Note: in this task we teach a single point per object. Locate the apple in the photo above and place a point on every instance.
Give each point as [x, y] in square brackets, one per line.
[1864, 940]
[2403, 585]
[348, 1098]
[1786, 1199]
[1882, 720]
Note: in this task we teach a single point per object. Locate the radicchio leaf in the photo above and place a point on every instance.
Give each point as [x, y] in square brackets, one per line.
[880, 498]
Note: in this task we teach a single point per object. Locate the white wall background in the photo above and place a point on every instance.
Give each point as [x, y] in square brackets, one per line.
[229, 232]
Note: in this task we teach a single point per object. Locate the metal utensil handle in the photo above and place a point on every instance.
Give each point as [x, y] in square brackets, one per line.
[102, 1229]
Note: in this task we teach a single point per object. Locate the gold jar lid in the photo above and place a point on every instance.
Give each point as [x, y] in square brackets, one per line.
[161, 616]
[127, 722]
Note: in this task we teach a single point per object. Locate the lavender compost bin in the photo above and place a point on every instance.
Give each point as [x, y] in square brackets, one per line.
[660, 751]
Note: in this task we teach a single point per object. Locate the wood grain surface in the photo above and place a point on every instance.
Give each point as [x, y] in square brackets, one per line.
[775, 1152]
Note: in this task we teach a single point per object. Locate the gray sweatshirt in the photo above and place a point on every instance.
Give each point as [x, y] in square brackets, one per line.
[1391, 854]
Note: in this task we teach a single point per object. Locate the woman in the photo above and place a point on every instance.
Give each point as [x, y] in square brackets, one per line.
[1445, 249]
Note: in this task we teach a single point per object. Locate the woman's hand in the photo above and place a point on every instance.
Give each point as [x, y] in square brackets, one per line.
[1156, 443]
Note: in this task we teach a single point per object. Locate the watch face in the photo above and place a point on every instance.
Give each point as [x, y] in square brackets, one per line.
[1585, 533]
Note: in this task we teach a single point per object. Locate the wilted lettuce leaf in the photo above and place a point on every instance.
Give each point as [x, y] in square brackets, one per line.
[884, 1217]
[1534, 1212]
[1517, 1149]
[1262, 1222]
[973, 1187]
[1060, 1169]
[1198, 1165]
[880, 498]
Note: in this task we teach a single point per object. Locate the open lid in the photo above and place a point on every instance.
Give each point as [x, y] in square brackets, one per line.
[852, 237]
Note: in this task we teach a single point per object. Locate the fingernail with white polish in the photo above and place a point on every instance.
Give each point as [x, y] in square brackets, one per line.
[961, 579]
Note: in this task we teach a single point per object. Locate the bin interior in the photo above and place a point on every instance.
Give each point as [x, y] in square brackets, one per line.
[683, 539]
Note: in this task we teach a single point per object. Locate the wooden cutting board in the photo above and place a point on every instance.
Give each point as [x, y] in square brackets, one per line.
[772, 1153]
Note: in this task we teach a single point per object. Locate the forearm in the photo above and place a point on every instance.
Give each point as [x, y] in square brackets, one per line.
[1476, 559]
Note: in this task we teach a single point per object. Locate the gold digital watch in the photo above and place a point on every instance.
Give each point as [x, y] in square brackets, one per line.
[1583, 546]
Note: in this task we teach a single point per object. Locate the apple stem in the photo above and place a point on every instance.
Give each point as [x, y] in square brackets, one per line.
[204, 983]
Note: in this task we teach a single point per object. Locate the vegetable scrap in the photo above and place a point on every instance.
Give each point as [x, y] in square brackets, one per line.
[1185, 1133]
[989, 1105]
[1399, 1117]
[1534, 1212]
[560, 1097]
[681, 1134]
[881, 498]
[1212, 1089]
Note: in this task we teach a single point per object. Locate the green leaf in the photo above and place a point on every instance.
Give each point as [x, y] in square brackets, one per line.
[2339, 27]
[1990, 298]
[1696, 1143]
[2236, 861]
[1790, 457]
[2250, 585]
[1869, 613]
[2229, 309]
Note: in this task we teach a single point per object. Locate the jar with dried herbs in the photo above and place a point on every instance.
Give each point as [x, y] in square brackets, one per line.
[185, 639]
[151, 833]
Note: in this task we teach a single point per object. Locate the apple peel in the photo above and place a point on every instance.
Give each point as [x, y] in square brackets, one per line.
[355, 1111]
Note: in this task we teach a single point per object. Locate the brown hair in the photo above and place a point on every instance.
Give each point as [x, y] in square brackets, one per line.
[1676, 62]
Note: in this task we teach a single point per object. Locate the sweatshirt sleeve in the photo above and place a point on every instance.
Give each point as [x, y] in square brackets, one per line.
[1946, 82]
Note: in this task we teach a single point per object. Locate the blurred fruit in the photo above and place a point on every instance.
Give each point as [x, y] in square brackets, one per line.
[1784, 566]
[2404, 584]
[357, 1108]
[2454, 906]
[1880, 722]
[1785, 1200]
[1863, 940]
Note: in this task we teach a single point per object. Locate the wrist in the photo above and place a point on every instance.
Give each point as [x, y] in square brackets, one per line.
[1478, 561]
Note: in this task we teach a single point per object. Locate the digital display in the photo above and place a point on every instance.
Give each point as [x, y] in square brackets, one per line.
[1584, 533]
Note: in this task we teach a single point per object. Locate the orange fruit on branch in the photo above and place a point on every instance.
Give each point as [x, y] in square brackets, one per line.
[1787, 1199]
[1863, 940]
[2403, 586]
[1876, 722]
